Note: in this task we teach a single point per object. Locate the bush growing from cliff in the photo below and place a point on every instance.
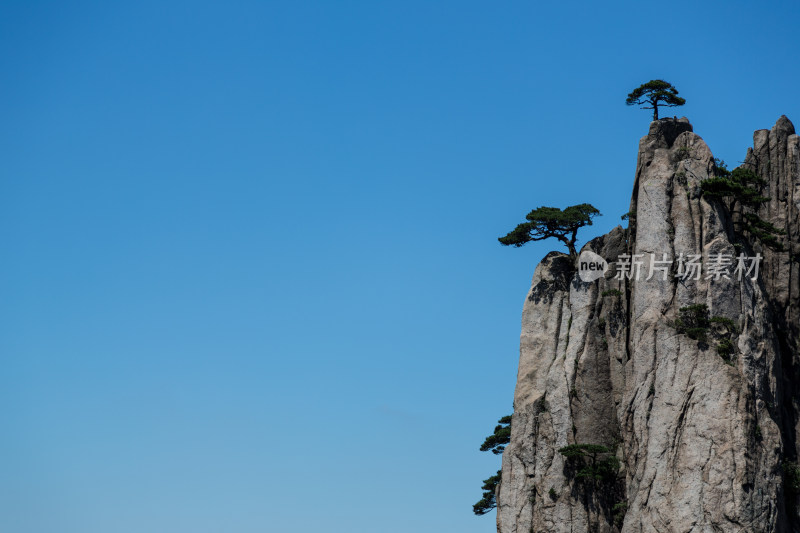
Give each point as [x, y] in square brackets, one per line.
[725, 349]
[696, 323]
[588, 464]
[487, 503]
[693, 321]
[742, 190]
[725, 322]
[741, 185]
[655, 93]
[619, 511]
[552, 222]
[496, 442]
[611, 292]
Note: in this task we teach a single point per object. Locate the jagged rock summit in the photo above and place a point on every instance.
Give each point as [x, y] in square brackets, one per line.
[701, 412]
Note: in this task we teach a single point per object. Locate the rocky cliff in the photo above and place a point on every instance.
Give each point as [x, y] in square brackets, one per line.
[695, 425]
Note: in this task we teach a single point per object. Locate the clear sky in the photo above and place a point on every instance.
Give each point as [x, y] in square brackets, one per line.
[250, 279]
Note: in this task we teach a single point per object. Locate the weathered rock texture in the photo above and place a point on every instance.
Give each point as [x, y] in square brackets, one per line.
[701, 439]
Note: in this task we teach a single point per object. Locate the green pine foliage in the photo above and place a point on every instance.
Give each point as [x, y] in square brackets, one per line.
[693, 321]
[487, 503]
[655, 93]
[696, 323]
[591, 462]
[741, 183]
[726, 322]
[725, 349]
[611, 292]
[619, 511]
[741, 188]
[764, 231]
[552, 222]
[496, 442]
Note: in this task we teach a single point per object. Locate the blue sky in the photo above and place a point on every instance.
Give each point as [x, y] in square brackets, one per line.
[250, 275]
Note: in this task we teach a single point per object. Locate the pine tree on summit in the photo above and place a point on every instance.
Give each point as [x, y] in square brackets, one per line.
[656, 93]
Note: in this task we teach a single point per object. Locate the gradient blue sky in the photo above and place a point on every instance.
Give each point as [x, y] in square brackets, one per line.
[250, 279]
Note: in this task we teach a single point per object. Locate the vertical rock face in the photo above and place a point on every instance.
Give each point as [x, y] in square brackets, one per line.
[700, 428]
[775, 156]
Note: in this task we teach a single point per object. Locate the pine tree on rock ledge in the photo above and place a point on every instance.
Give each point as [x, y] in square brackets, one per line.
[546, 222]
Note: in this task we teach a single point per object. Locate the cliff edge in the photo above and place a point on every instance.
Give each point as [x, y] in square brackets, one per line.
[685, 384]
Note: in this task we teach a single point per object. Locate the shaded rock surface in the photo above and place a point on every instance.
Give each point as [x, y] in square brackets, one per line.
[701, 436]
